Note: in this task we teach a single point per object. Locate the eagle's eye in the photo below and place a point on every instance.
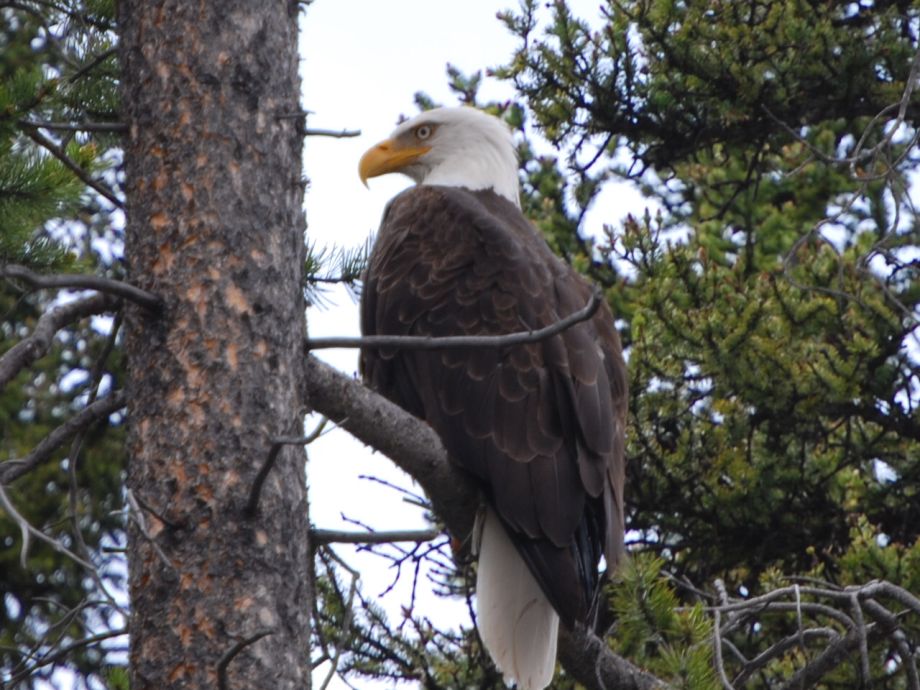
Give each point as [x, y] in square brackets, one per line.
[422, 132]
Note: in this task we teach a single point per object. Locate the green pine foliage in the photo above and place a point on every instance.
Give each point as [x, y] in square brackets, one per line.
[769, 305]
[655, 632]
[61, 75]
[57, 66]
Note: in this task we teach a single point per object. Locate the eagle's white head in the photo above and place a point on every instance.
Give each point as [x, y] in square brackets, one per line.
[456, 147]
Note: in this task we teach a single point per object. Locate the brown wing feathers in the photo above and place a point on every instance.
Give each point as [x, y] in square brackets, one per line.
[540, 425]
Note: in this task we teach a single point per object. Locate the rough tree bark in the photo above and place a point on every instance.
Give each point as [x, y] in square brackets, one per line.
[215, 228]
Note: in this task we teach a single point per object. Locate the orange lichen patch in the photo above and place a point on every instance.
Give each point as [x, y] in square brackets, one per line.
[206, 626]
[232, 356]
[231, 479]
[178, 473]
[197, 296]
[176, 397]
[196, 414]
[204, 492]
[237, 300]
[243, 603]
[158, 221]
[154, 526]
[187, 581]
[179, 672]
[164, 260]
[213, 346]
[186, 71]
[160, 181]
[187, 191]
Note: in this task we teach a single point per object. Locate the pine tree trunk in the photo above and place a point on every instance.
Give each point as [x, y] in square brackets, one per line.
[215, 228]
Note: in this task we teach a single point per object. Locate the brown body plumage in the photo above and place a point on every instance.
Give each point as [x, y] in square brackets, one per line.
[539, 425]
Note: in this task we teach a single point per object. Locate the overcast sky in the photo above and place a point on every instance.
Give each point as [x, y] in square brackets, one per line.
[362, 62]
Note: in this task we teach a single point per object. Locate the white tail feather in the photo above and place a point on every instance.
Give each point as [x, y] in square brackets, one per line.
[516, 622]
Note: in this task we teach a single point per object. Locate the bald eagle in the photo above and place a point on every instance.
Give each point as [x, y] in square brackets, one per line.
[539, 426]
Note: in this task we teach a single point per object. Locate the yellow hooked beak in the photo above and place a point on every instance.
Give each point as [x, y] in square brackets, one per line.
[386, 157]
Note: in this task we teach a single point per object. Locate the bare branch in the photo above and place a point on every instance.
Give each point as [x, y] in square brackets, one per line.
[100, 409]
[115, 127]
[252, 505]
[28, 350]
[853, 646]
[231, 653]
[308, 132]
[80, 281]
[409, 342]
[338, 134]
[331, 536]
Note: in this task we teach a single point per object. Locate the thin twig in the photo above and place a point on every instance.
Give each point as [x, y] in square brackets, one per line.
[410, 342]
[92, 64]
[252, 505]
[80, 281]
[231, 653]
[28, 530]
[136, 515]
[59, 153]
[61, 653]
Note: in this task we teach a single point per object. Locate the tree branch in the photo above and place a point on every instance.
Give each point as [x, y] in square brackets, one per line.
[417, 449]
[80, 281]
[12, 470]
[332, 536]
[410, 342]
[26, 351]
[115, 127]
[337, 134]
